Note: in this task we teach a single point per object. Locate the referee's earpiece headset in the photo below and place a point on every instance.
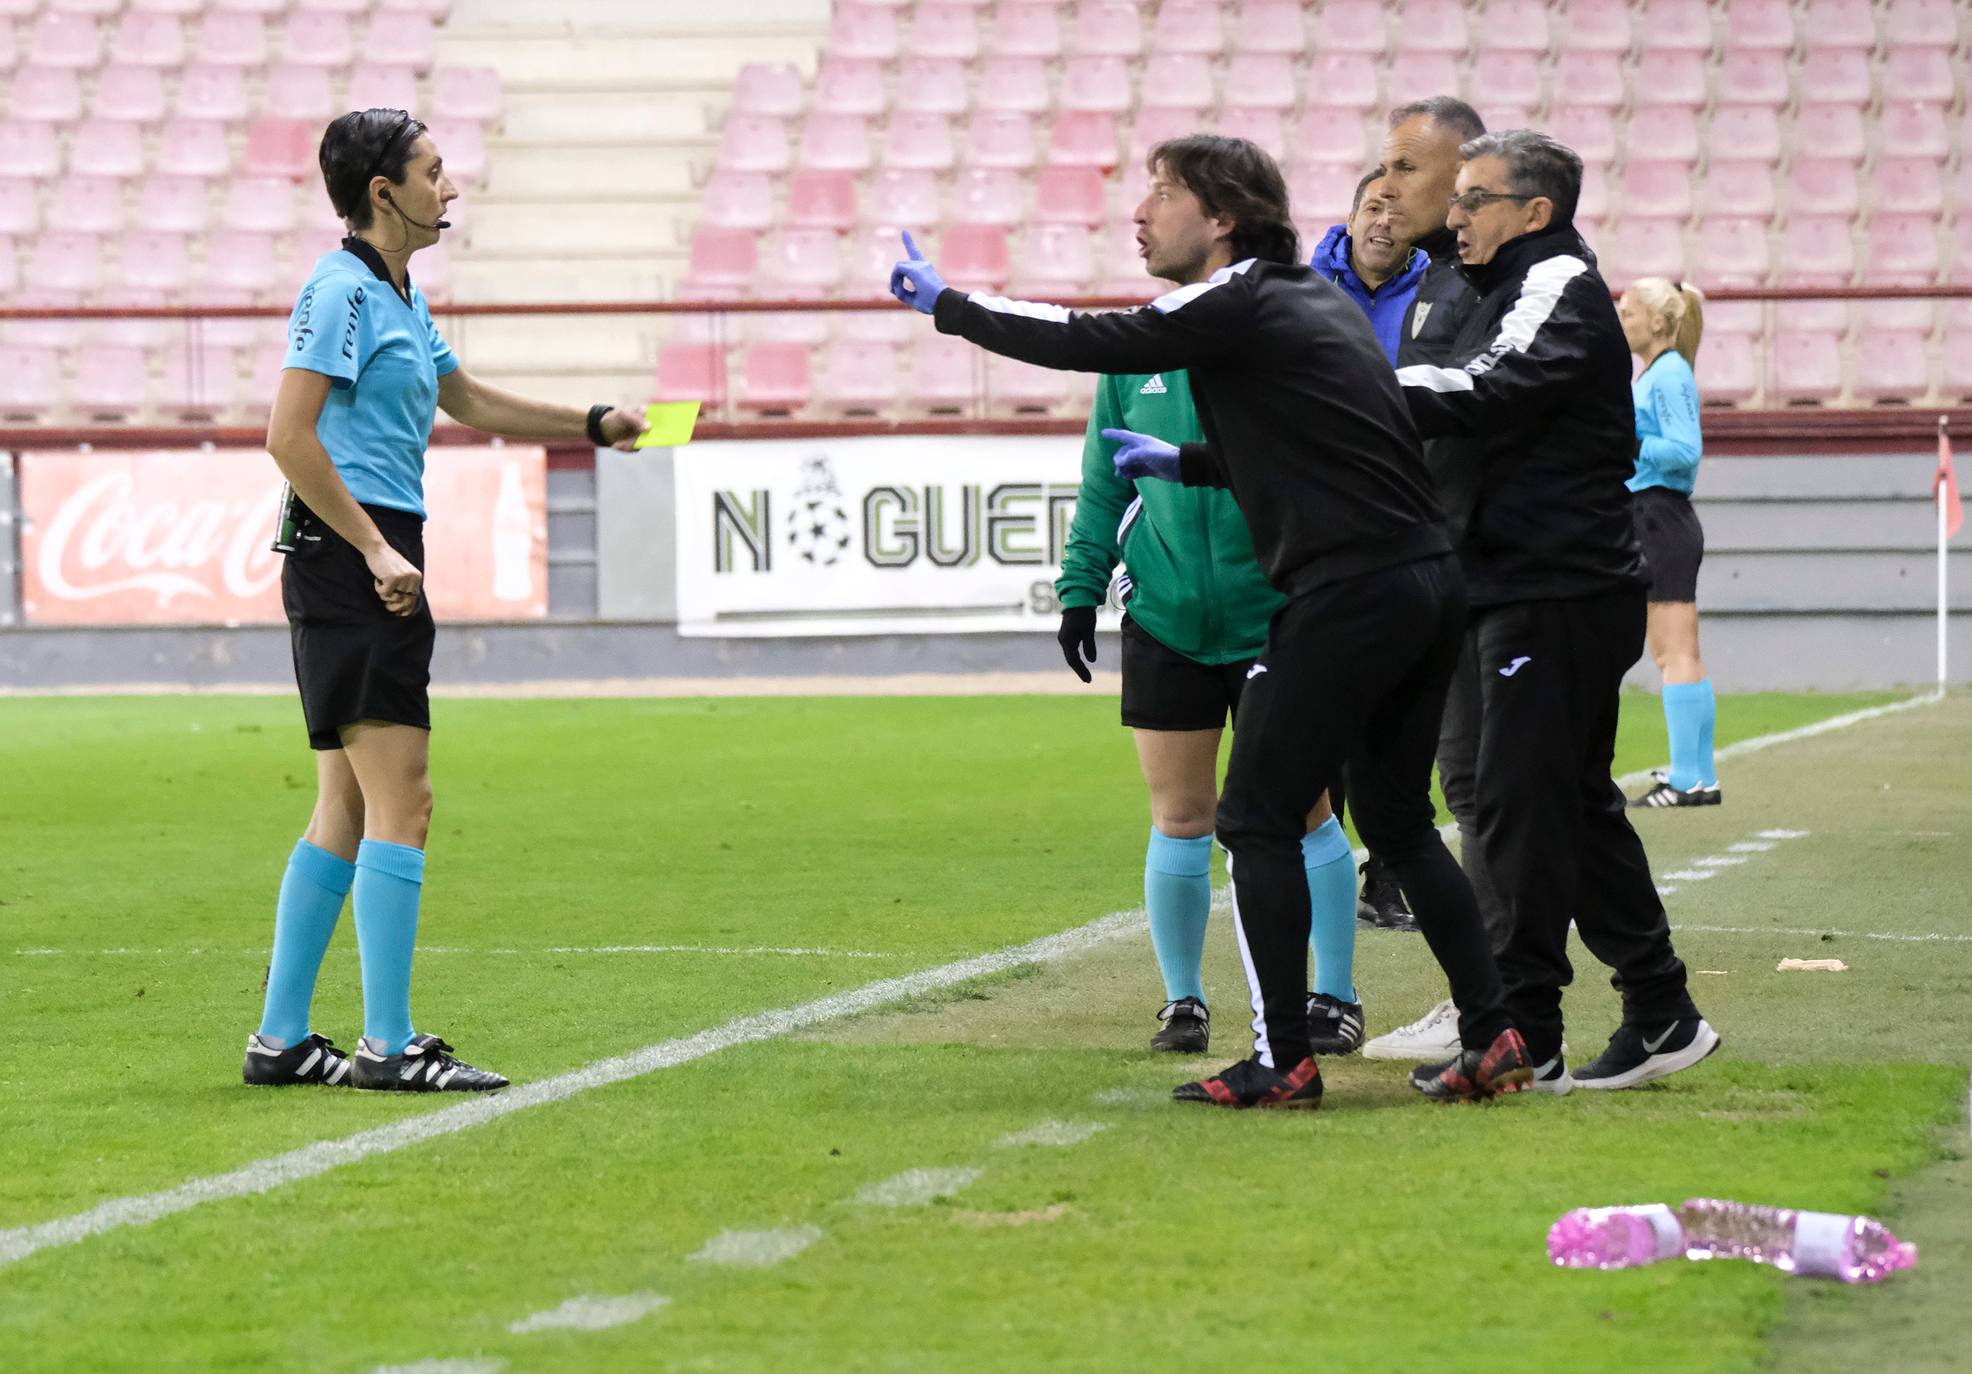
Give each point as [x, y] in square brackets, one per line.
[434, 225]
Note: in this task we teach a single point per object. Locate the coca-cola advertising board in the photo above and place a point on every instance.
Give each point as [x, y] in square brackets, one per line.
[181, 537]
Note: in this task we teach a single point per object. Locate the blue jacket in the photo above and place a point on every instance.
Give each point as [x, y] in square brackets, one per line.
[1386, 305]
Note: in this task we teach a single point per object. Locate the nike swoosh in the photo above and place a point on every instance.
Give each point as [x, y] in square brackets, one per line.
[1515, 666]
[1651, 1047]
[1255, 671]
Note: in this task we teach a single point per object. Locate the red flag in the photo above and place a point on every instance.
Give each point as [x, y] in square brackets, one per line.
[1945, 485]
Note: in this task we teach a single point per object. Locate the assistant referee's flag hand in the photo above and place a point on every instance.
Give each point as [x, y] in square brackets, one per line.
[1077, 637]
[914, 281]
[1141, 455]
[399, 584]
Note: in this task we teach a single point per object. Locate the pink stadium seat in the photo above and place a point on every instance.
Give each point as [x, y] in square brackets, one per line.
[1256, 126]
[1069, 195]
[1890, 365]
[193, 148]
[1685, 25]
[1913, 129]
[1805, 367]
[64, 261]
[841, 143]
[1901, 249]
[1667, 133]
[434, 10]
[265, 205]
[1013, 387]
[200, 383]
[240, 262]
[150, 268]
[848, 85]
[1189, 26]
[1745, 133]
[316, 38]
[899, 198]
[1512, 80]
[1731, 366]
[989, 195]
[1957, 378]
[106, 148]
[1588, 79]
[1433, 26]
[231, 40]
[1839, 24]
[20, 212]
[148, 40]
[803, 258]
[1319, 192]
[1082, 139]
[944, 379]
[174, 204]
[1169, 78]
[1656, 190]
[974, 256]
[1514, 26]
[217, 93]
[1921, 24]
[1644, 248]
[1352, 26]
[30, 382]
[999, 138]
[754, 143]
[1835, 76]
[110, 382]
[281, 148]
[1055, 260]
[1816, 252]
[817, 200]
[1828, 130]
[775, 379]
[1340, 81]
[932, 85]
[723, 257]
[65, 40]
[1732, 251]
[1749, 76]
[1824, 187]
[1154, 124]
[859, 377]
[96, 8]
[29, 149]
[1016, 84]
[1760, 24]
[50, 94]
[1919, 74]
[87, 204]
[1106, 28]
[921, 142]
[1261, 81]
[293, 91]
[1122, 266]
[132, 94]
[1739, 188]
[740, 200]
[763, 88]
[1911, 186]
[269, 8]
[862, 31]
[461, 93]
[945, 31]
[1598, 25]
[1097, 83]
[1414, 74]
[1026, 30]
[1271, 26]
[690, 372]
[1676, 76]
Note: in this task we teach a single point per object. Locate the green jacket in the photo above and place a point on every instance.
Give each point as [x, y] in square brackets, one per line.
[1191, 579]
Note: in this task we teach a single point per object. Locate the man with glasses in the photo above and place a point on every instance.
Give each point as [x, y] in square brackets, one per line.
[1530, 438]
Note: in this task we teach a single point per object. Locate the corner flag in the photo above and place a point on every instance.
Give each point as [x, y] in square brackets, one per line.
[1945, 485]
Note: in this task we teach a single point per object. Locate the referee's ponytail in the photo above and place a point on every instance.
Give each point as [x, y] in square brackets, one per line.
[360, 146]
[1237, 177]
[1683, 307]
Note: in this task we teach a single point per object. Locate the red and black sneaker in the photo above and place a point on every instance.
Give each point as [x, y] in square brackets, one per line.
[1475, 1075]
[1249, 1083]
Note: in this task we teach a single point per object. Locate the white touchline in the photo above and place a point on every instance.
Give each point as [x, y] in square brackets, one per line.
[1719, 861]
[1927, 938]
[916, 1187]
[1052, 1132]
[756, 1249]
[591, 1314]
[278, 1171]
[1692, 875]
[722, 951]
[1750, 847]
[473, 1366]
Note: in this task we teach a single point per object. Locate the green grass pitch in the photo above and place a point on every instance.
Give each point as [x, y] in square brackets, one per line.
[607, 875]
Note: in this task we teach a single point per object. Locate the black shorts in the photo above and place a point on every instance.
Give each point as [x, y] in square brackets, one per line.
[1164, 690]
[1672, 540]
[354, 660]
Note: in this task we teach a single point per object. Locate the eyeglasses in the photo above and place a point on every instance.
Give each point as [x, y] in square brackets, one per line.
[1472, 202]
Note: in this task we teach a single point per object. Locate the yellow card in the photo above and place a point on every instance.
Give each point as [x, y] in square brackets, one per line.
[671, 424]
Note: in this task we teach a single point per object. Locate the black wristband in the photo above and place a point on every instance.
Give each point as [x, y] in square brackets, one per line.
[596, 414]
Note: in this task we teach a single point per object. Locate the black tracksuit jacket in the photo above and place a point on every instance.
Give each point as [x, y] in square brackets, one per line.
[1303, 419]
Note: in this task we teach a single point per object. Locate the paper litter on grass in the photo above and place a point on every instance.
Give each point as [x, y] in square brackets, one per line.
[1811, 966]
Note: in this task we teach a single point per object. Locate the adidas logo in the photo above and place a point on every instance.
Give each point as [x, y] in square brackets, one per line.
[1154, 387]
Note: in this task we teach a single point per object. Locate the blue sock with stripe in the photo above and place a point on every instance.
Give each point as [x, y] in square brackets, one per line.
[1177, 895]
[389, 881]
[1332, 899]
[1689, 712]
[305, 917]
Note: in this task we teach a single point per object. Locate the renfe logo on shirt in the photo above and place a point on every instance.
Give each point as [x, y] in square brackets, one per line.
[349, 329]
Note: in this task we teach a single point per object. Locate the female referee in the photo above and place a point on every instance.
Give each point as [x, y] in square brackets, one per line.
[1198, 608]
[1662, 321]
[365, 368]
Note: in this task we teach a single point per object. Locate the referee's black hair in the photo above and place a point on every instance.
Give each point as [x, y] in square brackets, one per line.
[358, 146]
[1237, 177]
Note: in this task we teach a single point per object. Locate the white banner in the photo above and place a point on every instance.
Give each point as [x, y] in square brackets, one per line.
[892, 535]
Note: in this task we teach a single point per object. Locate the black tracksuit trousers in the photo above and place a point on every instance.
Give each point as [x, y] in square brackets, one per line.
[1353, 675]
[1553, 833]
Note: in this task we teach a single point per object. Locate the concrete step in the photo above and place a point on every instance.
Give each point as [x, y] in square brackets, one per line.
[1831, 475]
[1829, 653]
[527, 277]
[1830, 581]
[631, 16]
[572, 58]
[522, 343]
[1904, 524]
[591, 229]
[582, 119]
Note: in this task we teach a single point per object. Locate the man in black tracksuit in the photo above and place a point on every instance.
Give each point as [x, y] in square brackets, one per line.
[1531, 437]
[1305, 424]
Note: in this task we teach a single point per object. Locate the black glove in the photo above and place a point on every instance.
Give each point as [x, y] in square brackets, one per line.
[1077, 637]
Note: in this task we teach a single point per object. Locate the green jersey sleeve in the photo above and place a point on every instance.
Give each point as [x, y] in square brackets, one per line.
[1092, 555]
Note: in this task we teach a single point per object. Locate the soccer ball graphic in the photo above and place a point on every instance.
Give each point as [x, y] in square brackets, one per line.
[817, 525]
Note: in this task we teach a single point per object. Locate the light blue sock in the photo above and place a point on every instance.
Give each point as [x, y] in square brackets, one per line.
[1332, 897]
[1689, 710]
[304, 918]
[389, 880]
[1177, 894]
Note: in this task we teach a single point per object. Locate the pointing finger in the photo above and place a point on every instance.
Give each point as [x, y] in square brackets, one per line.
[911, 249]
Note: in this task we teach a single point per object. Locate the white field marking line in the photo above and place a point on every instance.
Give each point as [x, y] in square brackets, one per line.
[475, 1366]
[1719, 861]
[1886, 935]
[591, 1314]
[309, 1161]
[1060, 1134]
[916, 1187]
[722, 951]
[756, 1249]
[1692, 875]
[1750, 847]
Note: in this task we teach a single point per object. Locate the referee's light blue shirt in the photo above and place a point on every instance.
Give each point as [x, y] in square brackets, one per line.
[1666, 397]
[383, 358]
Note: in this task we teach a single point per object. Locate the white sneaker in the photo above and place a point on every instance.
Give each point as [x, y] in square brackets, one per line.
[1432, 1036]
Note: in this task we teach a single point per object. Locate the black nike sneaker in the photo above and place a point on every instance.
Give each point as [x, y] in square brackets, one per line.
[1334, 1026]
[314, 1060]
[1187, 1028]
[1663, 794]
[1249, 1083]
[1636, 1055]
[426, 1066]
[1475, 1075]
[1382, 902]
[1553, 1078]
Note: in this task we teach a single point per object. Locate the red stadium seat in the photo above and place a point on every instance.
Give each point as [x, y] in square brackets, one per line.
[281, 148]
[65, 40]
[1823, 187]
[899, 198]
[723, 257]
[51, 94]
[815, 200]
[1913, 129]
[193, 148]
[231, 40]
[1099, 82]
[148, 40]
[30, 382]
[945, 31]
[111, 382]
[1261, 81]
[744, 200]
[1839, 24]
[690, 372]
[1269, 26]
[841, 143]
[218, 93]
[1597, 25]
[1744, 133]
[1760, 24]
[921, 142]
[862, 31]
[1514, 26]
[1921, 24]
[29, 150]
[476, 93]
[1082, 139]
[134, 95]
[1069, 195]
[974, 256]
[759, 88]
[1684, 25]
[107, 148]
[1356, 26]
[1189, 26]
[1106, 28]
[932, 85]
[775, 379]
[989, 195]
[1676, 76]
[859, 377]
[1805, 367]
[297, 91]
[1017, 84]
[1169, 78]
[754, 143]
[1026, 30]
[1891, 365]
[848, 85]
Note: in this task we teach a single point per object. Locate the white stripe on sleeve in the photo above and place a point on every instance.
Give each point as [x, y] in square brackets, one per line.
[1033, 310]
[1185, 295]
[1539, 294]
[1435, 378]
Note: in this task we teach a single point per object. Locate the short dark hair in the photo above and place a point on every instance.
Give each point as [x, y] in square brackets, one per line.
[1448, 110]
[1237, 177]
[1374, 174]
[1536, 165]
[358, 146]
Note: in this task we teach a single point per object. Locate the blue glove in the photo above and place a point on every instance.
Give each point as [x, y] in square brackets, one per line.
[1143, 456]
[915, 281]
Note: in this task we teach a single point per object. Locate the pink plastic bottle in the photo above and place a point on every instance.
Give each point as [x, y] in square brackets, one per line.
[1615, 1237]
[1852, 1249]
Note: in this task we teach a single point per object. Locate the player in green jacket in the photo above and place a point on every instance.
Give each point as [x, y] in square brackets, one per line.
[1196, 607]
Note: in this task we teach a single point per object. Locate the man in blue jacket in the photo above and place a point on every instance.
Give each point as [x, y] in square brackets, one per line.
[1380, 273]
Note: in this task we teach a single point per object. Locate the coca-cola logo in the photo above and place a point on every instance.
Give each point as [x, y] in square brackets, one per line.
[103, 540]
